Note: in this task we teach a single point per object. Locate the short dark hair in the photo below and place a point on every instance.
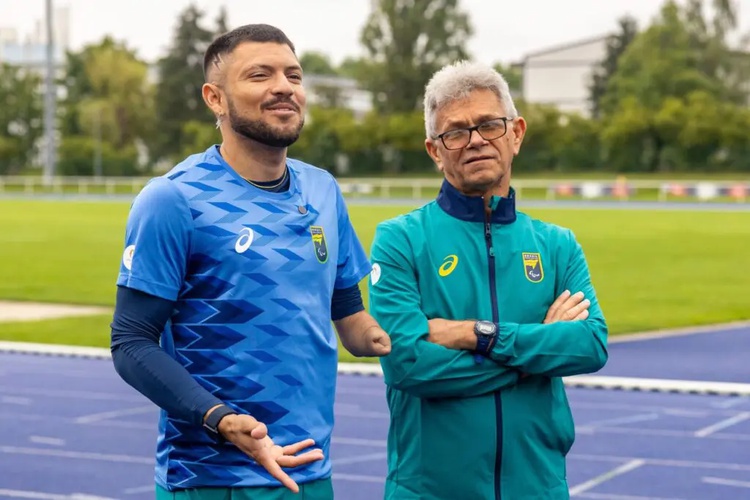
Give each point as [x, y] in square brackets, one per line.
[226, 43]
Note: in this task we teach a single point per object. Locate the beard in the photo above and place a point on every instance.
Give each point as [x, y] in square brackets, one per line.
[261, 131]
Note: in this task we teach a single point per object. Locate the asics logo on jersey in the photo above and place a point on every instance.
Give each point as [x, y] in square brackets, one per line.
[449, 264]
[244, 241]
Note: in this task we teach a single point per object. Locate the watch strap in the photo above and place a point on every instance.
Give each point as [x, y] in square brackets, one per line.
[485, 341]
[211, 423]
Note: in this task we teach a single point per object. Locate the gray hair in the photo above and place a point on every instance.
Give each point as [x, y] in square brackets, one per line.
[456, 81]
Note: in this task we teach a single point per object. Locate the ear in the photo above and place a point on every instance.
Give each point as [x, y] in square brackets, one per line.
[432, 150]
[214, 98]
[519, 132]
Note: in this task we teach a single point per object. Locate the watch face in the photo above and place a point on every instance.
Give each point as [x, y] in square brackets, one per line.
[485, 328]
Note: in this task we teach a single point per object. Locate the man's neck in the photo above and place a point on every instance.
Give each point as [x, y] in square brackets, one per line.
[253, 160]
[500, 189]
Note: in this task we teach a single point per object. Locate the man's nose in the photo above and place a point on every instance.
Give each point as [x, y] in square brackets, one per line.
[282, 86]
[476, 140]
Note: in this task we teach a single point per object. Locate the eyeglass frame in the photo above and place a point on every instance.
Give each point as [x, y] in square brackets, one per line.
[471, 130]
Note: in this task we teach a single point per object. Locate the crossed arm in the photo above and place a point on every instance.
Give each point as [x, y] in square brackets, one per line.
[433, 358]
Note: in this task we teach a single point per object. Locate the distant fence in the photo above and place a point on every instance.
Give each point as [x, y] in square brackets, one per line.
[419, 189]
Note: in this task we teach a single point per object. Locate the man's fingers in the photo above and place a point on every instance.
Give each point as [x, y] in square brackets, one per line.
[560, 299]
[572, 301]
[583, 315]
[275, 470]
[297, 460]
[260, 431]
[294, 448]
[555, 307]
[573, 312]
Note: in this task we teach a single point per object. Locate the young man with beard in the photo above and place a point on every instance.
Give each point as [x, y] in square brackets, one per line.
[235, 263]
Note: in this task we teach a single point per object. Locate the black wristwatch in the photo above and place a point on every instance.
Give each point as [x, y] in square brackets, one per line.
[486, 332]
[211, 424]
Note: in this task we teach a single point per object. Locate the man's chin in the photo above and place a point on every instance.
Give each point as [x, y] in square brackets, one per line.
[277, 141]
[272, 138]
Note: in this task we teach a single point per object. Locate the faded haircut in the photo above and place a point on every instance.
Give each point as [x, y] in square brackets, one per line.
[226, 43]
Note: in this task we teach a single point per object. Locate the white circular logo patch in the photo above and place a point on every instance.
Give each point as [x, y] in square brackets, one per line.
[245, 240]
[127, 257]
[375, 273]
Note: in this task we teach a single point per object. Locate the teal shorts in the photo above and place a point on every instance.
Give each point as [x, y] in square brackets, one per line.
[322, 489]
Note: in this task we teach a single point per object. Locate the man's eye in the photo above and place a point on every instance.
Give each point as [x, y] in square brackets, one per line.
[454, 134]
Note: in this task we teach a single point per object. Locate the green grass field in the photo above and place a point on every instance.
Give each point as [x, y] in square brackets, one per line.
[652, 269]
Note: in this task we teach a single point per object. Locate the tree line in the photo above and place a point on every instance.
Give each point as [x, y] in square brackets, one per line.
[671, 96]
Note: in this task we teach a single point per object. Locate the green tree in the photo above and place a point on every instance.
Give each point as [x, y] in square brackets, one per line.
[121, 98]
[316, 63]
[543, 127]
[77, 87]
[678, 68]
[407, 41]
[109, 102]
[617, 43]
[357, 68]
[178, 92]
[20, 117]
[198, 136]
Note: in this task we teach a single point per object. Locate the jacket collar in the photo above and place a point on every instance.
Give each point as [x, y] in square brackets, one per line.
[471, 208]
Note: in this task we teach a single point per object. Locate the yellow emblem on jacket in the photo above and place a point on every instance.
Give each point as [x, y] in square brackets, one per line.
[532, 263]
[449, 264]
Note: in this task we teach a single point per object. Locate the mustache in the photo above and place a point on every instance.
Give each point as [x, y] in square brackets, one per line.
[282, 100]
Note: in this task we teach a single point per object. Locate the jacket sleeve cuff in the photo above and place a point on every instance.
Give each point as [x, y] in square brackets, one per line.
[504, 348]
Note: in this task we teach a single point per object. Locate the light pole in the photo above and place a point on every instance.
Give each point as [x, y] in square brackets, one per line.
[50, 153]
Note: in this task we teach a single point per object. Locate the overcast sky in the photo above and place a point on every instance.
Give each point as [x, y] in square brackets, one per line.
[504, 30]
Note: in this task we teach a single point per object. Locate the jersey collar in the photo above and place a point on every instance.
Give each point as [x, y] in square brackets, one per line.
[471, 208]
[214, 152]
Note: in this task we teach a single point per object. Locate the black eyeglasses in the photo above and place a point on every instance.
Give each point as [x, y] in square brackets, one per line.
[489, 131]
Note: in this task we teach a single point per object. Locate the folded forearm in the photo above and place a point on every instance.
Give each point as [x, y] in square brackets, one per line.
[558, 349]
[352, 331]
[427, 370]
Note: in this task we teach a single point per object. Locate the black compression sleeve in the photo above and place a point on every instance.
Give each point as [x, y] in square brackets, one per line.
[139, 319]
[346, 302]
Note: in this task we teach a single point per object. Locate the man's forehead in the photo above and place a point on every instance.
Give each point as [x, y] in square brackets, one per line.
[474, 108]
[261, 54]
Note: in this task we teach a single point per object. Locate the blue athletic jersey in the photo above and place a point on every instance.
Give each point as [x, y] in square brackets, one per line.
[252, 273]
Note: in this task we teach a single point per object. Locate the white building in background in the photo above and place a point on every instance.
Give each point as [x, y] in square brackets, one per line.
[30, 49]
[561, 75]
[320, 89]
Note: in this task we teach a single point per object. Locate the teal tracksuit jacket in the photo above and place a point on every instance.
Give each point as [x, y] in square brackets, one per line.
[468, 429]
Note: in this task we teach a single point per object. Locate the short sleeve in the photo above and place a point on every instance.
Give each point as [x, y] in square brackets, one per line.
[353, 264]
[157, 239]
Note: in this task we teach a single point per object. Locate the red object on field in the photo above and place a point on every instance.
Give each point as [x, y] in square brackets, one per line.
[739, 191]
[677, 190]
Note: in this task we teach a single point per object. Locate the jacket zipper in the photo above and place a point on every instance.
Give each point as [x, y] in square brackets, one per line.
[495, 319]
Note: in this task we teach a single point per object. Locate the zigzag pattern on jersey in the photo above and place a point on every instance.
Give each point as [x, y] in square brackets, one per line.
[205, 325]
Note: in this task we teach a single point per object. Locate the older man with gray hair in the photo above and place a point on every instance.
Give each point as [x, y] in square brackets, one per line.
[487, 309]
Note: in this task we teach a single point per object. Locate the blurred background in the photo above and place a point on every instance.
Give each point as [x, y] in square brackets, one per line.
[638, 140]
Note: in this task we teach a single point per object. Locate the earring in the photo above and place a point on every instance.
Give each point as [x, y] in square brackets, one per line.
[218, 121]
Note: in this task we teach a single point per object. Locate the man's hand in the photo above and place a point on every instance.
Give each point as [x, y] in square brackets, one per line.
[568, 307]
[251, 437]
[361, 335]
[377, 341]
[452, 334]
